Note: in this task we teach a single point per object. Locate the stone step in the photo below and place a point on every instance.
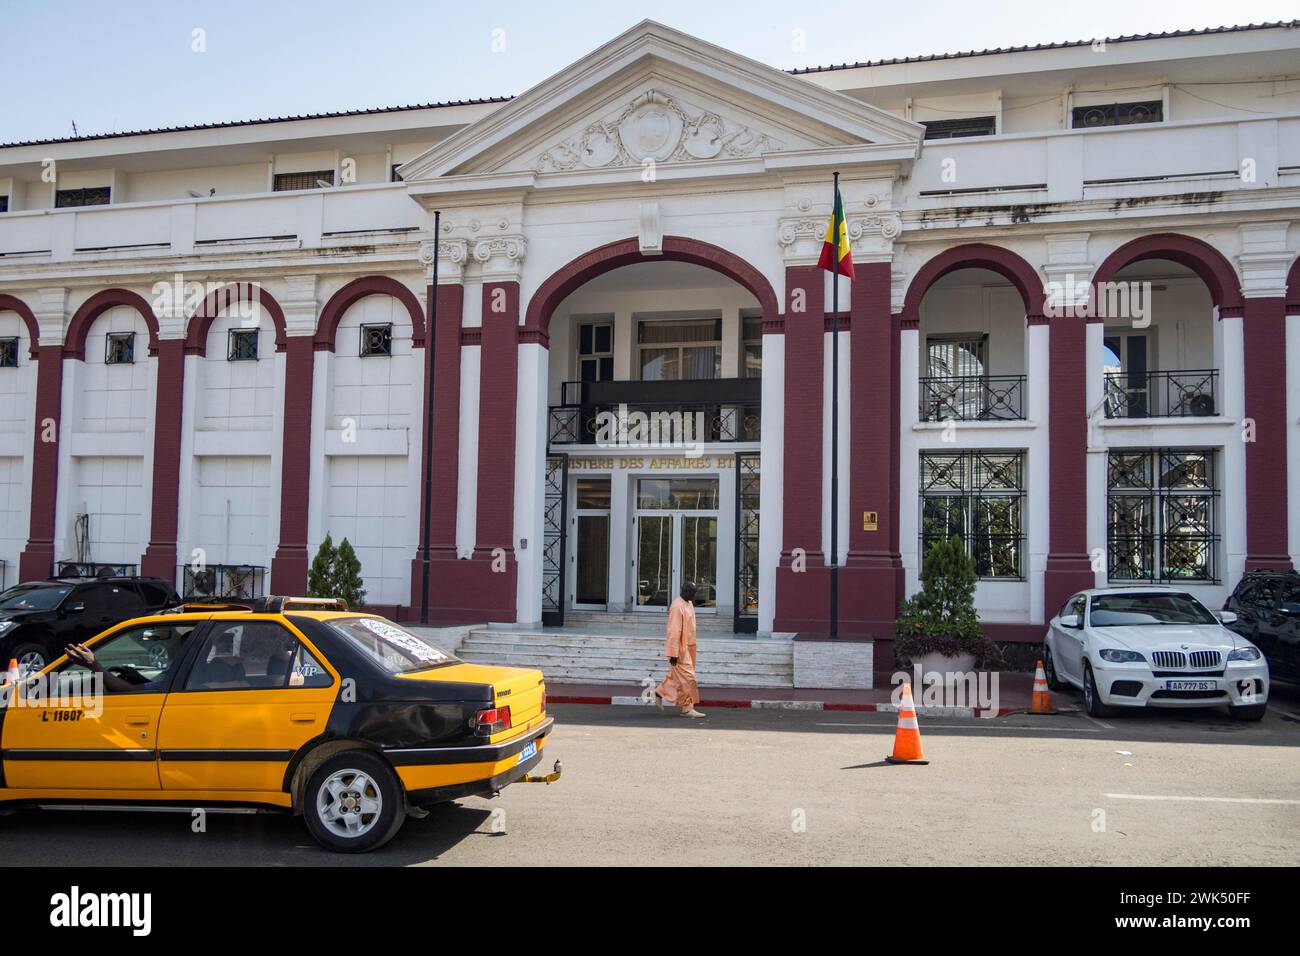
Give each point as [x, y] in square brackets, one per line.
[629, 658]
[645, 619]
[545, 660]
[652, 646]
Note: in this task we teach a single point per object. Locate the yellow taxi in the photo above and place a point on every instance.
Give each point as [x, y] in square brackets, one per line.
[343, 717]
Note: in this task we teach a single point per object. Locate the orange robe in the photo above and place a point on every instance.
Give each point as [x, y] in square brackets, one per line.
[679, 686]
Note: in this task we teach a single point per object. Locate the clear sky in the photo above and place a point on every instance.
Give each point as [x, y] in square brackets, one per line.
[116, 65]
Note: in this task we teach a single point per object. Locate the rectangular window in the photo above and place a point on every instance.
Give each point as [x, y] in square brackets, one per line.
[393, 175]
[957, 128]
[678, 349]
[243, 345]
[119, 348]
[9, 352]
[596, 352]
[1117, 114]
[751, 331]
[977, 496]
[1162, 514]
[4, 203]
[377, 339]
[317, 179]
[87, 196]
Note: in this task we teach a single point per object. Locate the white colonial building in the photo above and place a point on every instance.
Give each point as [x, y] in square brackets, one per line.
[220, 343]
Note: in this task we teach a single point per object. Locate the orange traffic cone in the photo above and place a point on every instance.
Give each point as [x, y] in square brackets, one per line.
[907, 738]
[1041, 701]
[12, 674]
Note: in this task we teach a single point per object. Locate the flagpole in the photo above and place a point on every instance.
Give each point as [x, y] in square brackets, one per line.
[835, 417]
[430, 338]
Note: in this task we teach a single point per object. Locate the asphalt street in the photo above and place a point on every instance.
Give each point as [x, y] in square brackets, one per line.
[802, 788]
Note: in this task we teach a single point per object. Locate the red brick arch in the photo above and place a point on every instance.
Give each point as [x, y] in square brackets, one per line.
[1215, 271]
[74, 344]
[625, 252]
[976, 255]
[9, 303]
[358, 289]
[196, 336]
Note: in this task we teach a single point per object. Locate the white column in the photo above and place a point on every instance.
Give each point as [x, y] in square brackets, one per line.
[530, 490]
[771, 482]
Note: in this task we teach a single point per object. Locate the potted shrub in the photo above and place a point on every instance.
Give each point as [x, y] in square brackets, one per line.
[937, 627]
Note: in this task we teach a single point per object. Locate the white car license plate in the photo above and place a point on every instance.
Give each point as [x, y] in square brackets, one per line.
[527, 752]
[1192, 685]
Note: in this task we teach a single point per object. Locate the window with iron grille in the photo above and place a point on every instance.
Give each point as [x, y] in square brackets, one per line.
[377, 339]
[1162, 514]
[9, 352]
[977, 496]
[1118, 114]
[119, 348]
[957, 128]
[243, 345]
[284, 182]
[88, 196]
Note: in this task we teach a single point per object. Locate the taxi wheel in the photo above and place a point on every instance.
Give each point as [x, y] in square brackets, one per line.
[353, 803]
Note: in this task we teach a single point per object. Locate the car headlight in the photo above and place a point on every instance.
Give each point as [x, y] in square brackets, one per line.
[5, 625]
[1116, 656]
[1244, 654]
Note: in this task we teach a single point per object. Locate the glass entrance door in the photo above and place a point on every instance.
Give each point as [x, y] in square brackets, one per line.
[591, 543]
[676, 540]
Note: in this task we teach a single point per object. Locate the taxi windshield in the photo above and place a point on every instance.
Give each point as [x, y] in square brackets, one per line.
[393, 648]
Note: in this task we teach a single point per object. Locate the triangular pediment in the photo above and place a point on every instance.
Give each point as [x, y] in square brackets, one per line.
[655, 94]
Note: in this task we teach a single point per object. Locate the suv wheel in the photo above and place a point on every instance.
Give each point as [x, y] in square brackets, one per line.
[1091, 699]
[353, 803]
[31, 658]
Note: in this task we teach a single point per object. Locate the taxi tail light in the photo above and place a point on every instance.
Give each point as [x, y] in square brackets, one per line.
[492, 721]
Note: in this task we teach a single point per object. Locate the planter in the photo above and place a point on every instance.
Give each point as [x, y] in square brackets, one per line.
[950, 667]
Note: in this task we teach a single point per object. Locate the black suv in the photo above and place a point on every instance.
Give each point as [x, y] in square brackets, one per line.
[1267, 605]
[39, 618]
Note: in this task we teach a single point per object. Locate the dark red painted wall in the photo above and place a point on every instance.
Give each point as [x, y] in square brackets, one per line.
[1264, 330]
[289, 566]
[159, 558]
[803, 596]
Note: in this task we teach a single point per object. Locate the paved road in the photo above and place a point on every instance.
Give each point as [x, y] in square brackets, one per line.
[768, 787]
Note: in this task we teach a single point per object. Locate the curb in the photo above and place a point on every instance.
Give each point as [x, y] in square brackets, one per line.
[766, 704]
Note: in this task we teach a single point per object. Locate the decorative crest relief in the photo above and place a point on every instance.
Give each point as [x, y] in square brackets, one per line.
[654, 126]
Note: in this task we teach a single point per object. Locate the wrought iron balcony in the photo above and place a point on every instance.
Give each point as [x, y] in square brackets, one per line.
[973, 398]
[223, 582]
[1183, 394]
[93, 569]
[658, 413]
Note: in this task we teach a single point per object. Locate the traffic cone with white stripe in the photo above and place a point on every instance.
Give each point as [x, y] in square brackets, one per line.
[907, 738]
[1041, 701]
[12, 673]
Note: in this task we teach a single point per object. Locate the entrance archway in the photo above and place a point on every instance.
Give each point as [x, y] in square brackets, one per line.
[669, 347]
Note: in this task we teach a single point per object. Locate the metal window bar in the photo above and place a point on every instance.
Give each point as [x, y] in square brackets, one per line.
[1189, 393]
[1117, 114]
[94, 569]
[222, 582]
[972, 398]
[9, 352]
[978, 497]
[1162, 511]
[243, 345]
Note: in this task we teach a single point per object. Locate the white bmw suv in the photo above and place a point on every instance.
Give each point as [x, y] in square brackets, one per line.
[1153, 647]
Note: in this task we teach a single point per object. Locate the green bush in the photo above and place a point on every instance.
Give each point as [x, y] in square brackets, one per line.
[941, 617]
[336, 573]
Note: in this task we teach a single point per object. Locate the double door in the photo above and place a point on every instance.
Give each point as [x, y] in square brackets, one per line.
[676, 540]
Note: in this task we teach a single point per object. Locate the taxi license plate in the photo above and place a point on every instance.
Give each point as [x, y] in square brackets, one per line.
[1192, 685]
[528, 752]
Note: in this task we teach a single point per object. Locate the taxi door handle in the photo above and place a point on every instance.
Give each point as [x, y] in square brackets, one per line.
[138, 720]
[302, 718]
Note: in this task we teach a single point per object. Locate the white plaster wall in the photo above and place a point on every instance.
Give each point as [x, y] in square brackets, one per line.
[237, 396]
[17, 417]
[367, 504]
[115, 398]
[232, 510]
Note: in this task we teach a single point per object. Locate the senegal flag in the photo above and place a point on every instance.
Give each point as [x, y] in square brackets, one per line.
[836, 244]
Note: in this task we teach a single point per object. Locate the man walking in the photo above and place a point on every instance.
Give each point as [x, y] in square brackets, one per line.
[679, 686]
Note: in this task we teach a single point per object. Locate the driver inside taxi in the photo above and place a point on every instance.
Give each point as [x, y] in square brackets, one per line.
[129, 678]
